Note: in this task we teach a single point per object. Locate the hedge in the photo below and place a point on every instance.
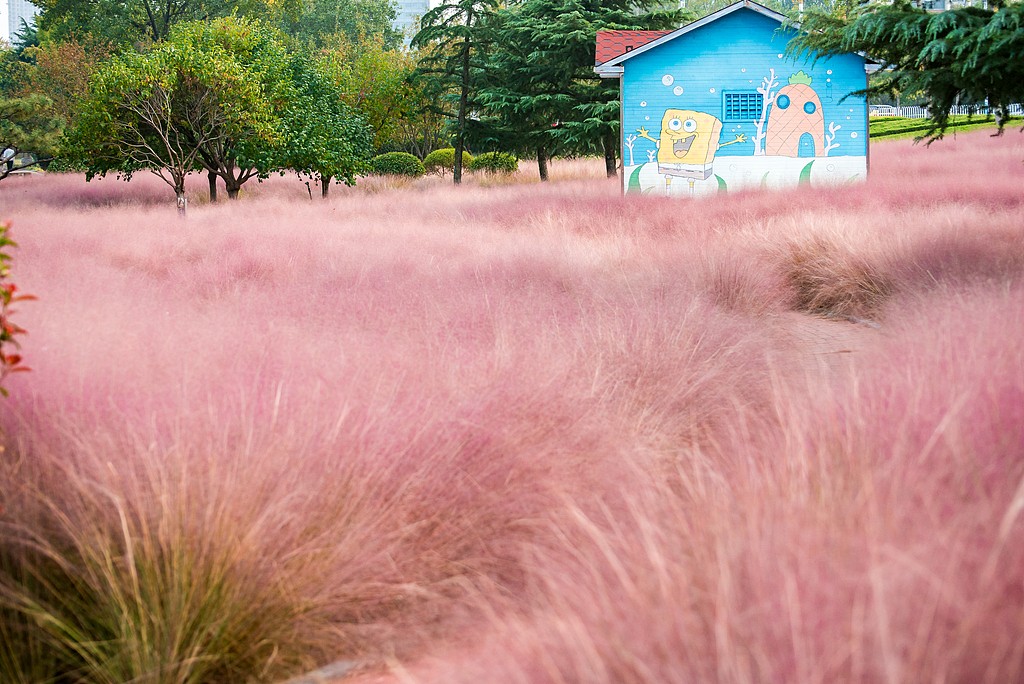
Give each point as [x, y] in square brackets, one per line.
[495, 162]
[443, 160]
[397, 164]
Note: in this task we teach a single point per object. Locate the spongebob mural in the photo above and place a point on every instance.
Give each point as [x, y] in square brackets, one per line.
[687, 146]
[735, 110]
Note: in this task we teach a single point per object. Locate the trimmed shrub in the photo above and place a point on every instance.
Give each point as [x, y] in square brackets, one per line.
[397, 164]
[495, 162]
[442, 161]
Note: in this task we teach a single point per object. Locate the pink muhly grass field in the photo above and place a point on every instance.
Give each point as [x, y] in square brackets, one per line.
[520, 432]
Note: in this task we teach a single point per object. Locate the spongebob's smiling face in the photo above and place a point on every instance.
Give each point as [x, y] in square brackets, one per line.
[680, 133]
[688, 137]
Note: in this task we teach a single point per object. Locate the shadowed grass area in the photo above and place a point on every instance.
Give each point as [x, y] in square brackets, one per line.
[832, 282]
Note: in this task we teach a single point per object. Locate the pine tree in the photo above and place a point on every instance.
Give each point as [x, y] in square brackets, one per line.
[453, 37]
[970, 54]
[541, 89]
[27, 124]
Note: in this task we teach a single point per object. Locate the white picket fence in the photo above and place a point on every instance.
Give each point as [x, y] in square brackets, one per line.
[922, 113]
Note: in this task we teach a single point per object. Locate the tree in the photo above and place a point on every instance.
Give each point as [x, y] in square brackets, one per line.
[702, 8]
[317, 22]
[421, 128]
[315, 132]
[224, 96]
[123, 22]
[964, 55]
[31, 124]
[540, 85]
[61, 71]
[519, 107]
[251, 147]
[14, 64]
[29, 132]
[323, 137]
[159, 110]
[374, 80]
[453, 36]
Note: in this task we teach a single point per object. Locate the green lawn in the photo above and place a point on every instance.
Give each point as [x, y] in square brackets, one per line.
[900, 127]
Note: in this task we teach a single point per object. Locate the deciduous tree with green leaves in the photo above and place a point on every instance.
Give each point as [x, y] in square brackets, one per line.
[421, 129]
[224, 96]
[374, 80]
[127, 23]
[123, 22]
[160, 109]
[315, 133]
[317, 22]
[972, 54]
[250, 148]
[322, 136]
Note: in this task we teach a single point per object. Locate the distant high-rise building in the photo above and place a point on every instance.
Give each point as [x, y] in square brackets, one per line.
[408, 13]
[12, 14]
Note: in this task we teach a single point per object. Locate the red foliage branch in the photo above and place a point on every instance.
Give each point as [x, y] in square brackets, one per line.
[10, 361]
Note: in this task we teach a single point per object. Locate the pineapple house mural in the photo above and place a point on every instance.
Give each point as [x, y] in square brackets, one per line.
[717, 105]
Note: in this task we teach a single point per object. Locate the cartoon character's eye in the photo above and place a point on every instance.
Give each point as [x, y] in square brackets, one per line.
[782, 101]
[810, 107]
[689, 125]
[675, 124]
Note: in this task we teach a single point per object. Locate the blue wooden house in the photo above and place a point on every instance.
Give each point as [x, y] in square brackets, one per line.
[718, 105]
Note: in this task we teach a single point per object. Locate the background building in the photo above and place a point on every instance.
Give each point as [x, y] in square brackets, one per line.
[408, 13]
[717, 105]
[12, 13]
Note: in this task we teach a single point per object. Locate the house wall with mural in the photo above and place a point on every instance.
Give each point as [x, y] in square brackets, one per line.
[721, 107]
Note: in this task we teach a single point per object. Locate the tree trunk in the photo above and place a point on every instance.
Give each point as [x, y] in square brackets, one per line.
[460, 133]
[1000, 116]
[232, 185]
[325, 186]
[213, 185]
[610, 149]
[181, 201]
[542, 163]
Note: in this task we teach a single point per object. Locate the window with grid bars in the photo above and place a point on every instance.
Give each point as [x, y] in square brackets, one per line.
[743, 106]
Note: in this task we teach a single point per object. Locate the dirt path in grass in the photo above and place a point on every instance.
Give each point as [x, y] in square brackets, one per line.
[827, 344]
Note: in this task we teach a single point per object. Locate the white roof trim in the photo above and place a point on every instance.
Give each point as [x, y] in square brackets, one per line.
[742, 4]
[610, 72]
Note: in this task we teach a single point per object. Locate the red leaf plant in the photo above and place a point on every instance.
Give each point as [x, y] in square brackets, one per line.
[10, 362]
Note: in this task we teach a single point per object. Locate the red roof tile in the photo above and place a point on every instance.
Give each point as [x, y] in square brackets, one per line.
[611, 44]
